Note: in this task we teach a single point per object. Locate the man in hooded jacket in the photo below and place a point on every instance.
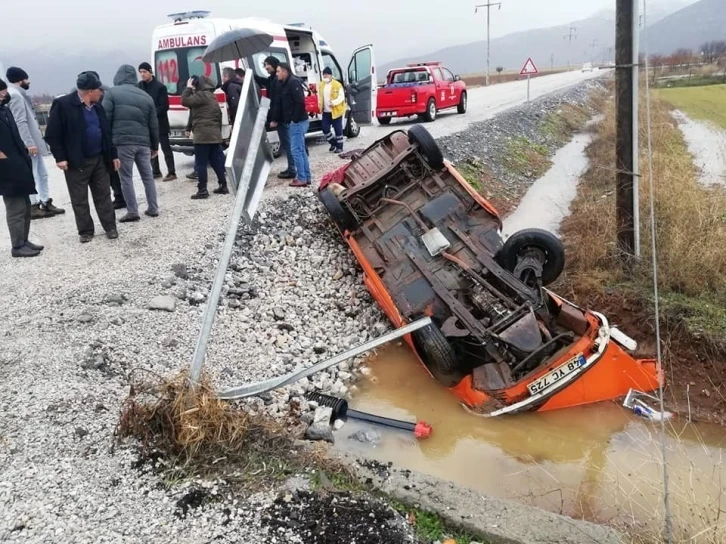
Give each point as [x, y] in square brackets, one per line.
[16, 180]
[135, 130]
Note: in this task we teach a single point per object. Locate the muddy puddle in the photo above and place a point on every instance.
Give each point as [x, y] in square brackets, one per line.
[707, 144]
[598, 462]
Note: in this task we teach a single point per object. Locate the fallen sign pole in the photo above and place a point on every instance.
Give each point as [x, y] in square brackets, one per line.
[210, 311]
[529, 69]
[253, 389]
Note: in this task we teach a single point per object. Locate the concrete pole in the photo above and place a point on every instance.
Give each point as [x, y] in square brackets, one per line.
[636, 128]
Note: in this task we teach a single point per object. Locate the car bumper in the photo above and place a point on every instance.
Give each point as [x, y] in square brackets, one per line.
[406, 111]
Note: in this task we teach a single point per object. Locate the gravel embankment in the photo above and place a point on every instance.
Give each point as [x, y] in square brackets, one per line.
[76, 321]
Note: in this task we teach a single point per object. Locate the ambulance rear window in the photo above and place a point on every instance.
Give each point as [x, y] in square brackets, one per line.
[175, 66]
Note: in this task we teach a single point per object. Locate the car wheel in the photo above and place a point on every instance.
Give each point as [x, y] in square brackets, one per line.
[340, 215]
[437, 354]
[352, 129]
[276, 149]
[427, 146]
[430, 114]
[463, 102]
[546, 246]
[384, 120]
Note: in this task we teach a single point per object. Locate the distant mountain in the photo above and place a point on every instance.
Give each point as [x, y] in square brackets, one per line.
[53, 71]
[689, 27]
[593, 40]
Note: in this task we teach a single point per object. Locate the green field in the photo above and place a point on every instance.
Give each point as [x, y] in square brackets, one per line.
[705, 103]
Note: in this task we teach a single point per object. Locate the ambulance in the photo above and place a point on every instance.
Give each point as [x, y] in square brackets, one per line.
[178, 47]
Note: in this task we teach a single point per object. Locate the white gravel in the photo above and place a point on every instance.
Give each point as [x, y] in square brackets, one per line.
[75, 321]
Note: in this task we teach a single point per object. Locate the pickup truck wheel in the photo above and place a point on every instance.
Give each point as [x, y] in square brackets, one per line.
[431, 112]
[463, 103]
[384, 120]
[352, 128]
[340, 215]
[544, 243]
[427, 146]
[437, 354]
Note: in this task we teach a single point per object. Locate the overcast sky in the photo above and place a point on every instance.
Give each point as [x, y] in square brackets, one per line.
[395, 27]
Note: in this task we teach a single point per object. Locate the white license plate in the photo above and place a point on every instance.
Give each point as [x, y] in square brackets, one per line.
[388, 114]
[178, 134]
[557, 375]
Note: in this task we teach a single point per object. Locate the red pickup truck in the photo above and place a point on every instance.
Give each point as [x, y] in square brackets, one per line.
[421, 89]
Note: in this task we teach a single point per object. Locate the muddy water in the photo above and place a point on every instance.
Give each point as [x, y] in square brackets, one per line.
[707, 143]
[548, 201]
[598, 462]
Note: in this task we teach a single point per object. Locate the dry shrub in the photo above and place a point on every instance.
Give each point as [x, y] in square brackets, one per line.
[690, 218]
[192, 427]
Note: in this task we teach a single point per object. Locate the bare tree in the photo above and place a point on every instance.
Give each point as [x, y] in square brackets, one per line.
[713, 51]
[656, 62]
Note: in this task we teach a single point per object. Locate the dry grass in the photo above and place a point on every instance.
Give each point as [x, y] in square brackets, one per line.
[690, 226]
[196, 433]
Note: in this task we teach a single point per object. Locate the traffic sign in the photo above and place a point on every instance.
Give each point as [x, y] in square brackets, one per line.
[529, 69]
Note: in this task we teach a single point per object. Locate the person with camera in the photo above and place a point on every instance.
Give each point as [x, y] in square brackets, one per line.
[205, 125]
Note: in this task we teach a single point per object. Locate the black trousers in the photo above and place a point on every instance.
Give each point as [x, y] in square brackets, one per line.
[168, 155]
[204, 155]
[118, 195]
[17, 214]
[94, 176]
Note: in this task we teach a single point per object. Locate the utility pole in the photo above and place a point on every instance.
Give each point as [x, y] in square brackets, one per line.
[625, 26]
[593, 45]
[552, 62]
[570, 36]
[476, 10]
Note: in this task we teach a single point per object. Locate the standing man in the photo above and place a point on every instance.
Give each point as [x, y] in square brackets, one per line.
[294, 117]
[272, 86]
[232, 88]
[21, 107]
[159, 94]
[16, 180]
[205, 123]
[135, 128]
[80, 139]
[331, 99]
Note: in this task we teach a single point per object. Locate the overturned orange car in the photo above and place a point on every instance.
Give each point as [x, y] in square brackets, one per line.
[430, 245]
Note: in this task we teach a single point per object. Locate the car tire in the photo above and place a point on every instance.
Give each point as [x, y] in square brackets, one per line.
[427, 146]
[340, 215]
[463, 103]
[543, 240]
[437, 354]
[384, 120]
[352, 128]
[431, 111]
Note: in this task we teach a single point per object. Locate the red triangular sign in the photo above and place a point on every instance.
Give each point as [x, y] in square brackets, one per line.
[529, 69]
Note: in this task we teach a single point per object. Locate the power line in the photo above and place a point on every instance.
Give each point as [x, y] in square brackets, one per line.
[476, 10]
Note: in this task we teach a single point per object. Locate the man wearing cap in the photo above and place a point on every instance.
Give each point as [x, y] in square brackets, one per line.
[160, 95]
[79, 137]
[16, 180]
[21, 107]
[331, 99]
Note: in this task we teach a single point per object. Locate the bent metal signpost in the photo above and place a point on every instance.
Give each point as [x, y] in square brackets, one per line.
[529, 70]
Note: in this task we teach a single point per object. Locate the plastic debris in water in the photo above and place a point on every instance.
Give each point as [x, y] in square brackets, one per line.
[642, 409]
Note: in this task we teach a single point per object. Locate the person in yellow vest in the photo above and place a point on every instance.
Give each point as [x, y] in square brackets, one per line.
[331, 98]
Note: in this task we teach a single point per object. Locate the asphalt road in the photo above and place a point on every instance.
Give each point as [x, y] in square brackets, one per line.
[484, 103]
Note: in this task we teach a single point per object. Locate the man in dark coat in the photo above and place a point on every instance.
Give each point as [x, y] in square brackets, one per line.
[232, 88]
[160, 95]
[16, 180]
[135, 128]
[80, 140]
[294, 117]
[205, 124]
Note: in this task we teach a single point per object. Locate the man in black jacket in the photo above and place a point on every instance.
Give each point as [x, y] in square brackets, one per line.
[232, 88]
[16, 180]
[158, 92]
[294, 117]
[80, 140]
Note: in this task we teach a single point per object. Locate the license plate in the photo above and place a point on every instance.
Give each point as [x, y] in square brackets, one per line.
[388, 114]
[178, 134]
[557, 375]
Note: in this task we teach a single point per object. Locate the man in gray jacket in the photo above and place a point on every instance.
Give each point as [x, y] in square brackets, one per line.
[22, 109]
[135, 131]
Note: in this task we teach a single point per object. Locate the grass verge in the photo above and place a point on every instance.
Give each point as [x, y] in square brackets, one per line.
[430, 527]
[704, 103]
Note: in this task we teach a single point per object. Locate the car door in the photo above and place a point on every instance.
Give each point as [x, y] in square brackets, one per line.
[442, 90]
[449, 85]
[362, 84]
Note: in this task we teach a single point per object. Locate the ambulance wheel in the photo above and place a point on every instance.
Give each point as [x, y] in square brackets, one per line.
[437, 354]
[427, 146]
[384, 120]
[340, 215]
[352, 128]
